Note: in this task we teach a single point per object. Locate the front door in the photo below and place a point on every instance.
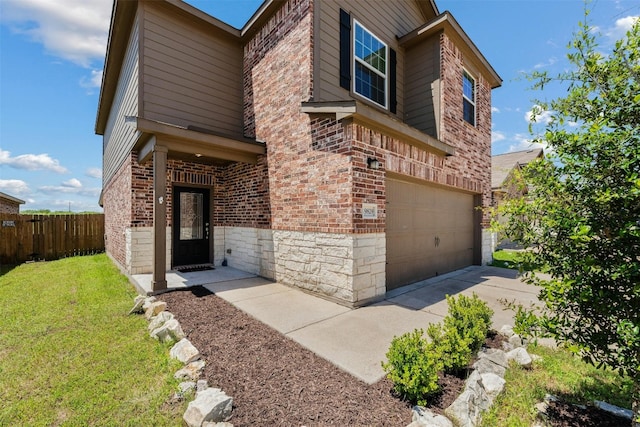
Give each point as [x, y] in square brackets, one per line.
[190, 226]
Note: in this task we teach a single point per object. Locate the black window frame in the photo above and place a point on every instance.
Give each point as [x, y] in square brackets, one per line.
[469, 104]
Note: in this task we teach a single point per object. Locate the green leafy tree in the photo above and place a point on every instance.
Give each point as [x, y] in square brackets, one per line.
[581, 215]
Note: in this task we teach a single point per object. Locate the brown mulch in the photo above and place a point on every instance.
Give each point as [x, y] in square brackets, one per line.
[275, 381]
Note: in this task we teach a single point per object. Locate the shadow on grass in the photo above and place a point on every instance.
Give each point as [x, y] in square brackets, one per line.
[599, 387]
[5, 268]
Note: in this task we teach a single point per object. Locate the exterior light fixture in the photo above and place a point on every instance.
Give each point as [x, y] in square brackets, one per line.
[373, 163]
[198, 155]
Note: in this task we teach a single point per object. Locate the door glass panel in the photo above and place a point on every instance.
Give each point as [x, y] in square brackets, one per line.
[191, 216]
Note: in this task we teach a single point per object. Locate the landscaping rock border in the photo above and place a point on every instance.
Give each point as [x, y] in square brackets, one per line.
[211, 406]
[482, 387]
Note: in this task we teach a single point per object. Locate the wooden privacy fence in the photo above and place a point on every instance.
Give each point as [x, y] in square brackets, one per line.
[49, 237]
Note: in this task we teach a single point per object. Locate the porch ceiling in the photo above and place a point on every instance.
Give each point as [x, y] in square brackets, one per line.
[193, 144]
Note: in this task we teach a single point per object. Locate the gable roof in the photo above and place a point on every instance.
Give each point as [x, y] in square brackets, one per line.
[122, 17]
[446, 22]
[11, 198]
[503, 164]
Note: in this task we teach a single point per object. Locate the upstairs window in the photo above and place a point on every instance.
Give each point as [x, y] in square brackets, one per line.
[468, 98]
[369, 66]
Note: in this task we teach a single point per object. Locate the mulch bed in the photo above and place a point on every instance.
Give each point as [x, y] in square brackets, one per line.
[275, 381]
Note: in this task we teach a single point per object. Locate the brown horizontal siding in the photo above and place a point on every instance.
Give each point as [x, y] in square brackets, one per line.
[119, 138]
[421, 97]
[386, 20]
[192, 75]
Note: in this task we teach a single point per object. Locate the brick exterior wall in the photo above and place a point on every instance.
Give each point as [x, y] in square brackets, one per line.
[9, 207]
[472, 161]
[117, 202]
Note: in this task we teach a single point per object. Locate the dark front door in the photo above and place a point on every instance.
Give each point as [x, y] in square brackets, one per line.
[190, 226]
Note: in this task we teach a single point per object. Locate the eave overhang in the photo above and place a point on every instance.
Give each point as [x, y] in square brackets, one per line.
[447, 23]
[366, 115]
[200, 144]
[122, 17]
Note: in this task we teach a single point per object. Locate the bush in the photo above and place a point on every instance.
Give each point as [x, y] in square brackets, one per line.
[452, 348]
[413, 365]
[464, 331]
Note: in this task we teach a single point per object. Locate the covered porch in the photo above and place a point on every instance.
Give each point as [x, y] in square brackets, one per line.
[160, 144]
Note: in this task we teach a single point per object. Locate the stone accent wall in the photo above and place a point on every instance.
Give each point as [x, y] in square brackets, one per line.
[139, 250]
[247, 249]
[347, 268]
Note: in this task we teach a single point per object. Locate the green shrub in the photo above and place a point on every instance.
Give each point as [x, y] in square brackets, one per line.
[464, 331]
[413, 365]
[471, 317]
[453, 349]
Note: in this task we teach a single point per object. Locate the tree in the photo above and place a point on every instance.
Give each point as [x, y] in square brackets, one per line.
[581, 215]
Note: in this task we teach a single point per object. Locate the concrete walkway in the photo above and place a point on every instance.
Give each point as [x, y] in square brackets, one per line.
[357, 340]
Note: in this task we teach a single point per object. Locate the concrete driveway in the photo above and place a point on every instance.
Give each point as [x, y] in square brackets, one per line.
[357, 340]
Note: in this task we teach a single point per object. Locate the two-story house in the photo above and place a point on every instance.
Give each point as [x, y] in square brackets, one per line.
[335, 145]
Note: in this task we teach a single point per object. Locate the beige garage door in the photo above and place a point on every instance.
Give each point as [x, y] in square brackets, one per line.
[429, 232]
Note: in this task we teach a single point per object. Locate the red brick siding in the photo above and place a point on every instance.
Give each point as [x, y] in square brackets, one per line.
[239, 197]
[471, 165]
[116, 201]
[242, 196]
[309, 175]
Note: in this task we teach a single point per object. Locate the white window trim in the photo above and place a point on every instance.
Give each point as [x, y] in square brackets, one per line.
[355, 58]
[475, 95]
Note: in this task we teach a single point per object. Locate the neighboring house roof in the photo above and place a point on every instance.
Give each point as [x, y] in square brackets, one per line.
[503, 164]
[11, 198]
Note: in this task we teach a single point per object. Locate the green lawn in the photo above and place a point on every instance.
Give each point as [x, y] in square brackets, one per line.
[70, 354]
[559, 373]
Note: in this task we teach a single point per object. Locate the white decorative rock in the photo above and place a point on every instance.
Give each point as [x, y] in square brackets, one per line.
[520, 356]
[155, 308]
[211, 405]
[159, 320]
[191, 371]
[184, 351]
[507, 331]
[423, 417]
[138, 302]
[147, 302]
[170, 331]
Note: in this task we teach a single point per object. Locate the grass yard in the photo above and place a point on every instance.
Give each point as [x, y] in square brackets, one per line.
[70, 354]
[559, 373]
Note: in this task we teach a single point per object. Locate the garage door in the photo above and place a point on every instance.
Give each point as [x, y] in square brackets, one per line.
[429, 232]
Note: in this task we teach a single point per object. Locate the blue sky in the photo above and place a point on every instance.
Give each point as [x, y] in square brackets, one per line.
[52, 53]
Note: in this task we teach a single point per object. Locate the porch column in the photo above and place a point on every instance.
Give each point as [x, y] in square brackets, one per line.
[159, 280]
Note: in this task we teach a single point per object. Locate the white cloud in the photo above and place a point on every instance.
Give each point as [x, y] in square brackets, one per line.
[72, 183]
[549, 63]
[31, 162]
[496, 136]
[495, 110]
[92, 82]
[94, 173]
[72, 186]
[14, 187]
[524, 142]
[622, 25]
[537, 115]
[75, 30]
